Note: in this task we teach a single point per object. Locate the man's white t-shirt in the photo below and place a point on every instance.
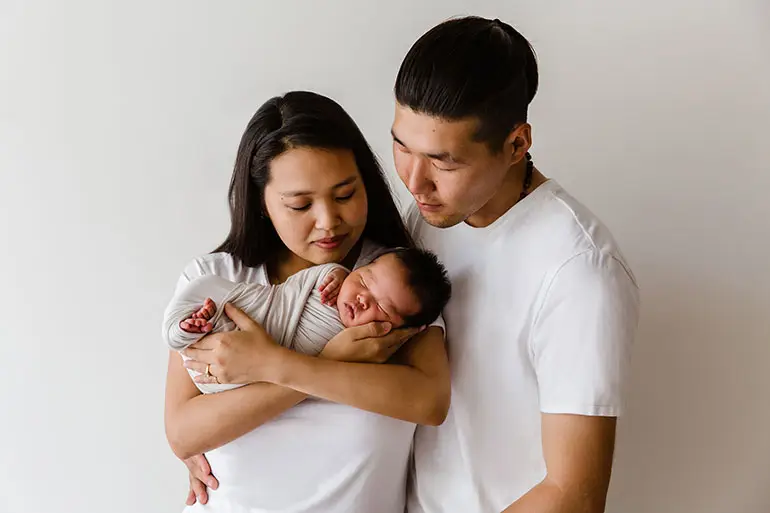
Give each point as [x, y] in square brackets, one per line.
[318, 456]
[542, 318]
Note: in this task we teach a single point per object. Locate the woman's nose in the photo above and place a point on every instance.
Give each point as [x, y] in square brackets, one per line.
[327, 218]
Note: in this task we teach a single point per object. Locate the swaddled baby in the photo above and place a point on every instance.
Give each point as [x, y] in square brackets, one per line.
[407, 287]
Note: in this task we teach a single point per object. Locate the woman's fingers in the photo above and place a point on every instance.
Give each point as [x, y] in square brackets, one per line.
[215, 375]
[371, 330]
[197, 366]
[198, 489]
[190, 496]
[203, 356]
[243, 321]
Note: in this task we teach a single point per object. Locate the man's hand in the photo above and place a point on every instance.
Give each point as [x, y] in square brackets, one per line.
[235, 356]
[370, 343]
[200, 477]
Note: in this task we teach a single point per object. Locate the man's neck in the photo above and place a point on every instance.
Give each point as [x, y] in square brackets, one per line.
[507, 197]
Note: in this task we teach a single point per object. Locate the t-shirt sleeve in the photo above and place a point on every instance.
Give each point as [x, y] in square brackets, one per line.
[412, 220]
[195, 269]
[582, 336]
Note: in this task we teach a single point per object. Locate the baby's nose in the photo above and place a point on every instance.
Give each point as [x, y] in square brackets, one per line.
[363, 301]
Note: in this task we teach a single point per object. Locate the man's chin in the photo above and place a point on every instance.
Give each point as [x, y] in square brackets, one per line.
[441, 220]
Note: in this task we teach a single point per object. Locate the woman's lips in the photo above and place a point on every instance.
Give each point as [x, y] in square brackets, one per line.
[330, 242]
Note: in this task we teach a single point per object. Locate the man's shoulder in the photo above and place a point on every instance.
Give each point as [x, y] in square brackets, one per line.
[563, 219]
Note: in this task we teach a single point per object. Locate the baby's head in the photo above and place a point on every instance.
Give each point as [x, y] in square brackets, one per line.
[406, 287]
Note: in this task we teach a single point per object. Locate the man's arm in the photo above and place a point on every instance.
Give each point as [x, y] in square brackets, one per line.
[578, 454]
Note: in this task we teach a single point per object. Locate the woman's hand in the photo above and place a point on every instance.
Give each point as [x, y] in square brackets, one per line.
[370, 343]
[240, 357]
[200, 478]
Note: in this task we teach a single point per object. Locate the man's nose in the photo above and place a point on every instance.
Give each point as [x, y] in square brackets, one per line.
[418, 179]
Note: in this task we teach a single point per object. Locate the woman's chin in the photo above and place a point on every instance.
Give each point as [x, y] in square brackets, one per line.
[322, 256]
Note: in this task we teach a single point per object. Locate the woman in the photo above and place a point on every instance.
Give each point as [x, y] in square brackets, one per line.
[304, 183]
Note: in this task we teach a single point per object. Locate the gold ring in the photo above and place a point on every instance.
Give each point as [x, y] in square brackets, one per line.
[208, 370]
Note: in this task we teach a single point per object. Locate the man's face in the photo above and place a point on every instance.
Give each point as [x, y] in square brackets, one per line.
[450, 175]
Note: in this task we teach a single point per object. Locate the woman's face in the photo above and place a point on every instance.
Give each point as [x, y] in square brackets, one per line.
[317, 203]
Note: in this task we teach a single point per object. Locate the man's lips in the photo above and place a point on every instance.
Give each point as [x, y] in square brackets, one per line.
[428, 206]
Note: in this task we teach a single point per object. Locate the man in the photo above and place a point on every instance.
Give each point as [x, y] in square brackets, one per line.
[544, 307]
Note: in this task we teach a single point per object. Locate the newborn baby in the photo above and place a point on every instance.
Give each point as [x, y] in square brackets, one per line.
[406, 287]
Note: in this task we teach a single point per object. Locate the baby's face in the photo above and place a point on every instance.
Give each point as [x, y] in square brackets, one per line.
[377, 292]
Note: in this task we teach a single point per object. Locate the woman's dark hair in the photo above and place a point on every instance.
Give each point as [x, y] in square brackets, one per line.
[471, 67]
[300, 119]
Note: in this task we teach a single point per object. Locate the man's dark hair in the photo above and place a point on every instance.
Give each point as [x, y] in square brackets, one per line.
[428, 280]
[471, 67]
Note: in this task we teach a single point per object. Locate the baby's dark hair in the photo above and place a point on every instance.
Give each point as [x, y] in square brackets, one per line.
[428, 280]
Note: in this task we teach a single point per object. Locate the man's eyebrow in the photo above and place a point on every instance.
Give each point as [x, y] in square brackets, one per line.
[443, 156]
[343, 183]
[399, 141]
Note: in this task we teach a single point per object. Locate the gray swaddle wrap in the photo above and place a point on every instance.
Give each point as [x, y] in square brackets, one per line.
[292, 312]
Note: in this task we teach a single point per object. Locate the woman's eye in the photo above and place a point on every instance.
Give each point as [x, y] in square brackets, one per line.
[346, 197]
[300, 209]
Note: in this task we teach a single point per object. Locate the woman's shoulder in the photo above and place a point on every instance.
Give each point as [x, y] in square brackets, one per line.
[223, 265]
[370, 250]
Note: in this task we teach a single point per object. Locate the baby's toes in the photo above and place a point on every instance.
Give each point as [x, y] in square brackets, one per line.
[187, 325]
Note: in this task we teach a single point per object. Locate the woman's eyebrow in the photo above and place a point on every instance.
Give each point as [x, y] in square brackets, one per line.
[343, 183]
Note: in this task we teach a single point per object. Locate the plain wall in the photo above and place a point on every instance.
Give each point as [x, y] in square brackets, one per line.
[119, 123]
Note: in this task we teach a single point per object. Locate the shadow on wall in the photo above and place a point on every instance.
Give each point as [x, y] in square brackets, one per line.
[694, 435]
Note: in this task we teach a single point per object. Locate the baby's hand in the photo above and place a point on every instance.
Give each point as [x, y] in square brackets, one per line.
[330, 287]
[199, 322]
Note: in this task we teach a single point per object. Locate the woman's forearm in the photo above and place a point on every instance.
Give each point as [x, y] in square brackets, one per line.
[209, 421]
[196, 423]
[415, 390]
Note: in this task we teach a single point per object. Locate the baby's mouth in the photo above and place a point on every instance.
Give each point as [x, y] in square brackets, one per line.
[351, 311]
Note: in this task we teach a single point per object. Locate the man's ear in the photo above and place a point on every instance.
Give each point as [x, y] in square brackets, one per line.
[519, 142]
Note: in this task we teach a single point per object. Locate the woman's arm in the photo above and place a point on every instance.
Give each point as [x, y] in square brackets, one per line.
[196, 423]
[415, 387]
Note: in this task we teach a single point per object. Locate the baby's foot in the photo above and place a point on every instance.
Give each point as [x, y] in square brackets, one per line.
[199, 322]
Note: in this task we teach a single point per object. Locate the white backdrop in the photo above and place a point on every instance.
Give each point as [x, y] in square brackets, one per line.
[119, 123]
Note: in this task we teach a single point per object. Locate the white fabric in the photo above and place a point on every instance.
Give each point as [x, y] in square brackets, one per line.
[291, 312]
[316, 457]
[542, 318]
